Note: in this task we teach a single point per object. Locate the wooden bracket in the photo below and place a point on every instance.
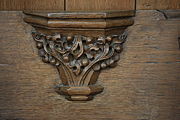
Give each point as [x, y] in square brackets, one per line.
[79, 45]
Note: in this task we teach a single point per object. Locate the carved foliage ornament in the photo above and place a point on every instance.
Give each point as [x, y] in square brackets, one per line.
[78, 58]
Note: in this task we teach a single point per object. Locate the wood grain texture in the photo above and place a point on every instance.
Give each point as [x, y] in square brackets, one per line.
[94, 5]
[144, 86]
[82, 14]
[90, 5]
[57, 5]
[171, 14]
[80, 23]
[11, 5]
[78, 58]
[157, 4]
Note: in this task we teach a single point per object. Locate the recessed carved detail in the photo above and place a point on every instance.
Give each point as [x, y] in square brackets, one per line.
[80, 45]
[79, 57]
[79, 53]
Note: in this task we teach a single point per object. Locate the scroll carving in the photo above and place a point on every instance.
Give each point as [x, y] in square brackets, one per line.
[79, 60]
[80, 44]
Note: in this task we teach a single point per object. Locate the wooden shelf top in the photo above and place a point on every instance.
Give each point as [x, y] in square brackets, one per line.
[77, 14]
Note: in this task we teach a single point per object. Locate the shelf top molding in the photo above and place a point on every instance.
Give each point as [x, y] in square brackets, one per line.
[87, 20]
[82, 14]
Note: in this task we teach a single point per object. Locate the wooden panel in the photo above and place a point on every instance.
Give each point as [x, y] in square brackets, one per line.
[88, 4]
[144, 86]
[73, 20]
[44, 5]
[82, 14]
[31, 4]
[12, 4]
[158, 4]
[94, 5]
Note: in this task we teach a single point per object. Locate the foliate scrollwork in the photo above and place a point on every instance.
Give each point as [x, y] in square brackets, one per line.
[79, 60]
[79, 53]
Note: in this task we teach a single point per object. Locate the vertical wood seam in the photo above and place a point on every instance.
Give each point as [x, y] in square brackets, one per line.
[64, 5]
[135, 4]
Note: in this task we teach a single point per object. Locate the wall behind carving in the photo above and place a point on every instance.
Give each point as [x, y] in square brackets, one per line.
[88, 4]
[144, 86]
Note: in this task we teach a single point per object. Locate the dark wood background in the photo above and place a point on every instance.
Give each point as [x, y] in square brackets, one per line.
[144, 86]
[72, 5]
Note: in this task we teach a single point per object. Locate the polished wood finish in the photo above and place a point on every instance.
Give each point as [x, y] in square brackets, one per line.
[157, 4]
[94, 5]
[144, 85]
[80, 56]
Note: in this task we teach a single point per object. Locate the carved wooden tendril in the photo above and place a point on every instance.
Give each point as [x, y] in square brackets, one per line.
[80, 44]
[79, 54]
[79, 59]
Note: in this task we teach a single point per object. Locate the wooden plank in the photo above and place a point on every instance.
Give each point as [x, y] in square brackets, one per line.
[157, 4]
[145, 85]
[94, 5]
[10, 5]
[82, 14]
[74, 20]
[88, 4]
[171, 14]
[44, 5]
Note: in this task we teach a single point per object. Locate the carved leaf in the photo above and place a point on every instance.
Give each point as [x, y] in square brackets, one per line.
[79, 53]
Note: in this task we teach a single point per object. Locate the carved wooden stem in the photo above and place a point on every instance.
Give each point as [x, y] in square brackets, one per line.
[78, 58]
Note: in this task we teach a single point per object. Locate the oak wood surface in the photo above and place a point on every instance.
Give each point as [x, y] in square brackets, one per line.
[81, 20]
[11, 5]
[144, 86]
[157, 4]
[82, 14]
[94, 5]
[80, 23]
[88, 5]
[92, 24]
[79, 65]
[68, 5]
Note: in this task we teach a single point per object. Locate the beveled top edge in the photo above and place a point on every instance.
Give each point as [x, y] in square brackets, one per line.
[82, 14]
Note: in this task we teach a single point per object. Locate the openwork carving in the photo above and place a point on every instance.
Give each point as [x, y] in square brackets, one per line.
[80, 44]
[79, 58]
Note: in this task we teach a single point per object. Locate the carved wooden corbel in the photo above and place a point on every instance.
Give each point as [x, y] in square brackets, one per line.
[79, 45]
